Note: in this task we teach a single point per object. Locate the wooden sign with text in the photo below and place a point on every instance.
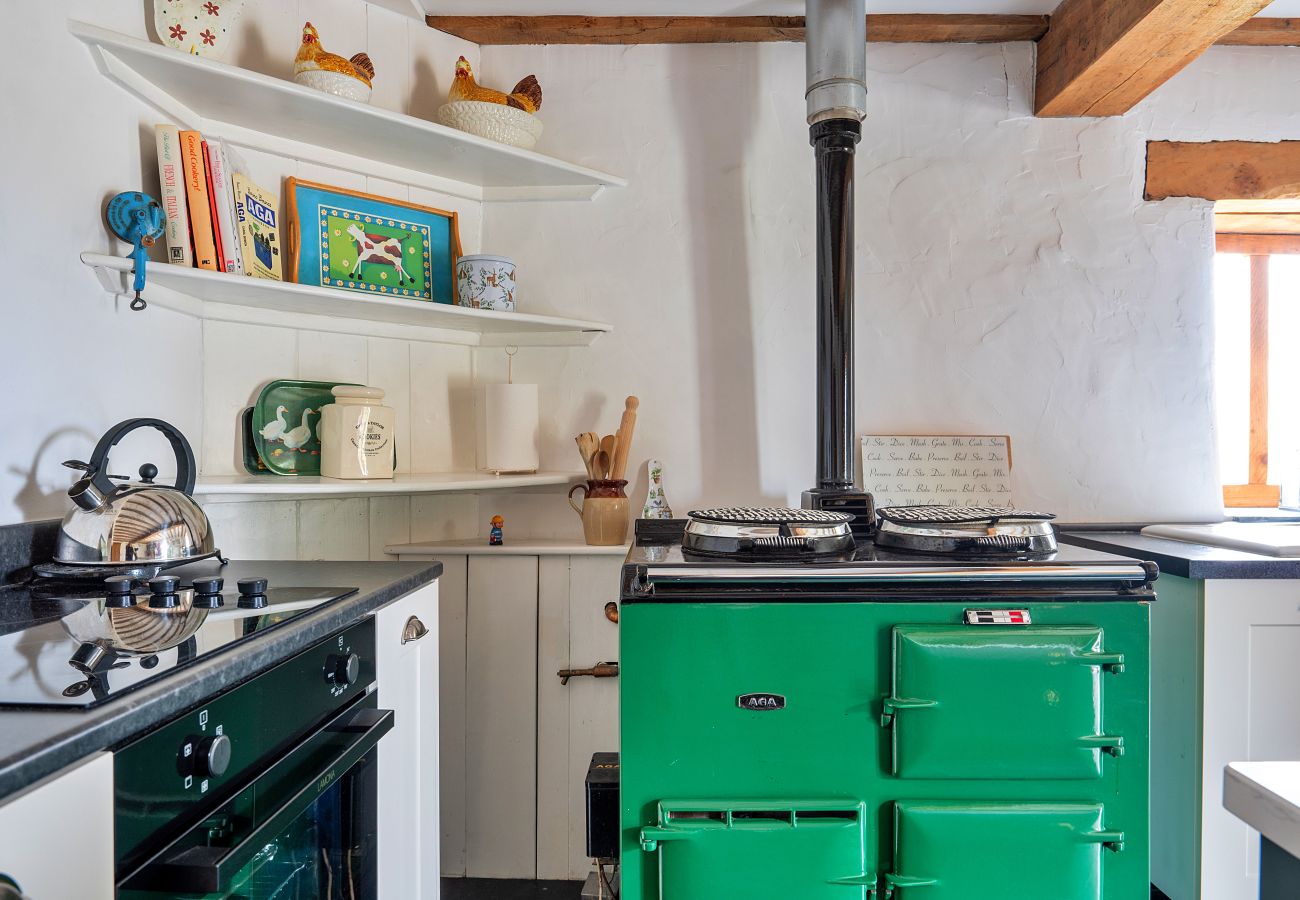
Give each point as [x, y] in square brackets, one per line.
[937, 470]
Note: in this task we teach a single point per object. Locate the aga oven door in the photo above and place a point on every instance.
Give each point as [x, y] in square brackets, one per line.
[303, 829]
[761, 850]
[1000, 703]
[954, 850]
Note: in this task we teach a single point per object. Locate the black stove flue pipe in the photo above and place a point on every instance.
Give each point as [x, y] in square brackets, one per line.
[835, 141]
[837, 98]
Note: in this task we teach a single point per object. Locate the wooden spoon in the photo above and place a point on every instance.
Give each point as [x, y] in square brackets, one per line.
[608, 446]
[600, 464]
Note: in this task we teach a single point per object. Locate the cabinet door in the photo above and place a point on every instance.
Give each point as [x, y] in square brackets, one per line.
[580, 718]
[407, 671]
[1251, 669]
[37, 830]
[994, 851]
[501, 727]
[988, 702]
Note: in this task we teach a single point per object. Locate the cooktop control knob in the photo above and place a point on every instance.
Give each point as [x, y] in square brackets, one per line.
[212, 757]
[342, 669]
[118, 592]
[252, 593]
[163, 590]
[207, 593]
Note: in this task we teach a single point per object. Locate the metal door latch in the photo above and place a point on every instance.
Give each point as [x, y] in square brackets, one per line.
[599, 670]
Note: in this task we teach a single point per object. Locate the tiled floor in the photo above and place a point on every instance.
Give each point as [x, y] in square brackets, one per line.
[496, 889]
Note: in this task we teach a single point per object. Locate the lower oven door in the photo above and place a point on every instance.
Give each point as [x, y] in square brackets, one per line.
[760, 850]
[955, 850]
[304, 828]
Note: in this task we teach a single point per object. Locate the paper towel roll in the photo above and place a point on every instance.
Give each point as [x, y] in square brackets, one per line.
[512, 428]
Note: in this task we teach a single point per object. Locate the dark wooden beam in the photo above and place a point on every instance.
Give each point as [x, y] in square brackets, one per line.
[1262, 32]
[1102, 57]
[1223, 170]
[507, 30]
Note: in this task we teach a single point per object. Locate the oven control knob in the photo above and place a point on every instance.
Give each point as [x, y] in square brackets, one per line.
[342, 669]
[212, 757]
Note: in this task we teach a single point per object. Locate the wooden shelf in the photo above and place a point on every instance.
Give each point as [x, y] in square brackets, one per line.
[306, 487]
[281, 117]
[513, 547]
[239, 298]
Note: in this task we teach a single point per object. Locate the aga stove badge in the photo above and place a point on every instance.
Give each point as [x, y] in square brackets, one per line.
[761, 702]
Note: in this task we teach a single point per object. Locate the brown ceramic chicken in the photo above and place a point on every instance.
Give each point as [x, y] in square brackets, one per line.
[527, 94]
[312, 57]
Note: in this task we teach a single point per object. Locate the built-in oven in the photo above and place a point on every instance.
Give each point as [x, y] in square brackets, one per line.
[265, 791]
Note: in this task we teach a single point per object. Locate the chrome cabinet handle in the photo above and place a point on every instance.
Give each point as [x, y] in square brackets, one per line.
[413, 631]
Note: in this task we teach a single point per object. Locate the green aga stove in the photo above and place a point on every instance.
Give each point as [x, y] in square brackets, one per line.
[807, 715]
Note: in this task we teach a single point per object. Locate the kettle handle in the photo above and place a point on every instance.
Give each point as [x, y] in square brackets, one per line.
[185, 467]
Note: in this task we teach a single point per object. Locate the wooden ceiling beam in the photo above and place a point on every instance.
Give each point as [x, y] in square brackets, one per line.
[1223, 170]
[1102, 57]
[514, 30]
[1265, 32]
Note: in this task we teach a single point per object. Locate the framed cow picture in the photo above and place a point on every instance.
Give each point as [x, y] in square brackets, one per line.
[373, 245]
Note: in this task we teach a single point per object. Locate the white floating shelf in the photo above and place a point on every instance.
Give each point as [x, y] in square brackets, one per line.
[281, 117]
[513, 547]
[239, 298]
[306, 487]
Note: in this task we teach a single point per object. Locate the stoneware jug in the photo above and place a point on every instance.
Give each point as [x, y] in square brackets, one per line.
[603, 512]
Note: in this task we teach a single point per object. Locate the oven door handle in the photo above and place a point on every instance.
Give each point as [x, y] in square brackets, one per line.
[208, 869]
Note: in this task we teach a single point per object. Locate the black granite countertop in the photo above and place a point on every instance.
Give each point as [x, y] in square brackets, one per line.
[37, 742]
[1185, 559]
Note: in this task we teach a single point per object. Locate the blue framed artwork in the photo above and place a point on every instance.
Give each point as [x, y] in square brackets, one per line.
[373, 245]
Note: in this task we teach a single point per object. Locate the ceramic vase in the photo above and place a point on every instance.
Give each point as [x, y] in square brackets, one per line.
[656, 503]
[201, 27]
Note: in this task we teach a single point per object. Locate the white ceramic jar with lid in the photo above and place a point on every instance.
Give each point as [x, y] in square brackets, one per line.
[356, 434]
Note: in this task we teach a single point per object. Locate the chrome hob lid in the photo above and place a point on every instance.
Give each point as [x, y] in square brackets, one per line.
[967, 530]
[768, 532]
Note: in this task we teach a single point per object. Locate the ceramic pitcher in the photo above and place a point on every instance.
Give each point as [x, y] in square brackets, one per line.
[603, 512]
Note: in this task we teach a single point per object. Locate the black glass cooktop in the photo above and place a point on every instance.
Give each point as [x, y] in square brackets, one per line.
[66, 644]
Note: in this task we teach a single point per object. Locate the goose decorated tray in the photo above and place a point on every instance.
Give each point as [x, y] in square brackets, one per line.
[284, 427]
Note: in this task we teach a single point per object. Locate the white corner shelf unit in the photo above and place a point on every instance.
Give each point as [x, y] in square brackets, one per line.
[416, 9]
[309, 487]
[277, 116]
[239, 298]
[513, 546]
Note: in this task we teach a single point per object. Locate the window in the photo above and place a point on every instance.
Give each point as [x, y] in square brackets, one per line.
[1257, 356]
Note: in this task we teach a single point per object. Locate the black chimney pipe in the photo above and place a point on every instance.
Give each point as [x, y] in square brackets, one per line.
[835, 142]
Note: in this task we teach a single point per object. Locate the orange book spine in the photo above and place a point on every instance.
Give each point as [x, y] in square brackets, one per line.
[196, 193]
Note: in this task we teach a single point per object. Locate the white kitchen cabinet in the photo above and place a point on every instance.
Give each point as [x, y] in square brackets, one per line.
[1225, 664]
[407, 671]
[515, 742]
[56, 839]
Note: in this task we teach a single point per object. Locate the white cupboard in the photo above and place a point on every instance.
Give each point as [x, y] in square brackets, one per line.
[516, 742]
[1225, 663]
[406, 634]
[37, 829]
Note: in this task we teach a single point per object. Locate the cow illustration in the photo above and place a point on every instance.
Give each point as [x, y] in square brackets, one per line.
[375, 248]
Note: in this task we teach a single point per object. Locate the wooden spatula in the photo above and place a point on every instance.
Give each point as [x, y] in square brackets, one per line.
[608, 446]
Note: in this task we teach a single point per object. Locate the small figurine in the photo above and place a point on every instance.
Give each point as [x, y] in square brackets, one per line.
[496, 537]
[527, 94]
[656, 504]
[331, 73]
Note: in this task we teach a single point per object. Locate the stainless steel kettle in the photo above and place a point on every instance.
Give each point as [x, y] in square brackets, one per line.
[135, 527]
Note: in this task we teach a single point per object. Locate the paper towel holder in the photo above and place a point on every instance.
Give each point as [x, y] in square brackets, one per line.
[511, 412]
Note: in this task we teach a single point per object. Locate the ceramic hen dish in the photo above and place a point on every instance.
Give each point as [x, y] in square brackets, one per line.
[284, 425]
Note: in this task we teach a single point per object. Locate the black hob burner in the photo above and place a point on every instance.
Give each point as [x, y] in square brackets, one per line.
[768, 533]
[967, 530]
[78, 643]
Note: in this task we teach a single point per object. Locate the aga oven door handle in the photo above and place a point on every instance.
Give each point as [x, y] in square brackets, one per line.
[190, 866]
